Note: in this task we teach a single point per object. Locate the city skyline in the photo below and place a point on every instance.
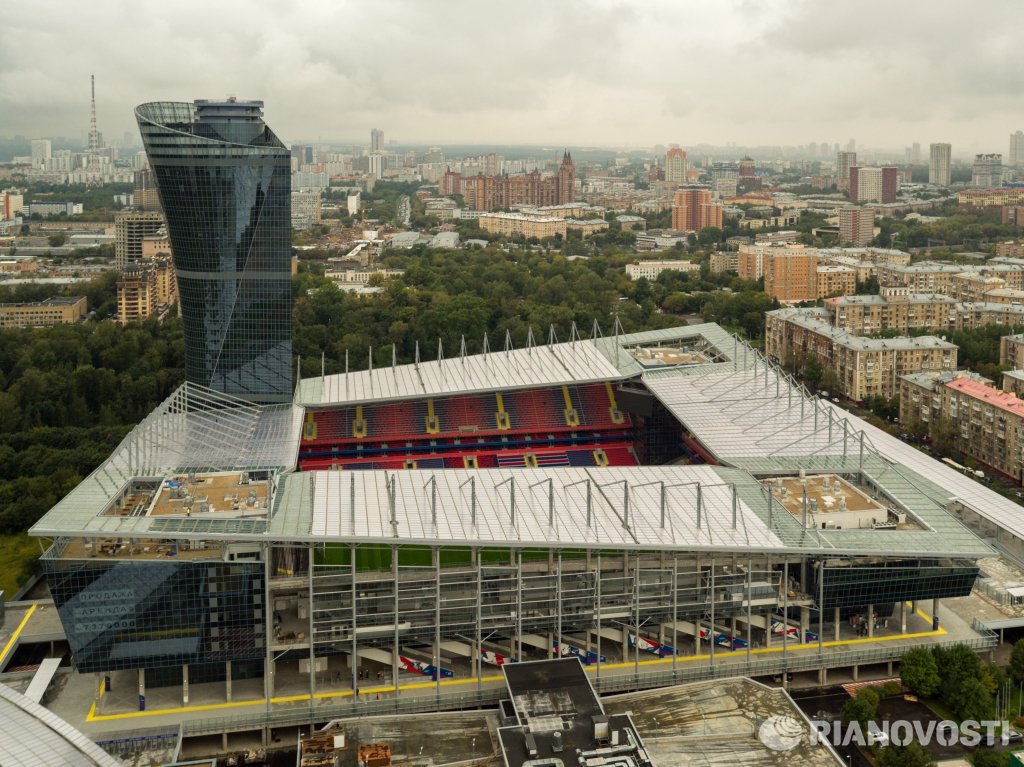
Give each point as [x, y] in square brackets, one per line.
[887, 85]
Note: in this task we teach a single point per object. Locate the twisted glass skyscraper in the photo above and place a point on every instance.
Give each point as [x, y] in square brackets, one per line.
[225, 186]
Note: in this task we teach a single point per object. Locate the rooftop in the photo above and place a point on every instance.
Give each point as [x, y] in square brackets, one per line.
[1002, 400]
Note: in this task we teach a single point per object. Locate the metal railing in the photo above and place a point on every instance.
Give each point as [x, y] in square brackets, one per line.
[805, 659]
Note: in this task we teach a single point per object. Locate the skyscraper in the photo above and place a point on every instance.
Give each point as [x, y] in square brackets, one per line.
[938, 164]
[223, 179]
[1016, 158]
[675, 166]
[376, 140]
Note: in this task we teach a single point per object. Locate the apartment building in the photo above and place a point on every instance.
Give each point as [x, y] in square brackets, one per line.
[791, 273]
[1013, 382]
[1011, 351]
[1010, 250]
[52, 311]
[922, 277]
[867, 315]
[973, 286]
[856, 226]
[146, 288]
[835, 280]
[131, 229]
[651, 269]
[862, 367]
[693, 209]
[988, 423]
[724, 261]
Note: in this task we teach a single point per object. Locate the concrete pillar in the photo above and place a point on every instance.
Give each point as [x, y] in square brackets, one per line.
[223, 741]
[856, 673]
[871, 620]
[268, 683]
[184, 685]
[822, 676]
[142, 689]
[836, 617]
[903, 616]
[805, 620]
[768, 630]
[935, 615]
[888, 668]
[227, 681]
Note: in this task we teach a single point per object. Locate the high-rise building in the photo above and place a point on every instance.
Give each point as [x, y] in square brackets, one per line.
[853, 181]
[693, 210]
[844, 161]
[376, 140]
[939, 164]
[890, 184]
[144, 195]
[42, 150]
[988, 171]
[130, 229]
[856, 226]
[1016, 156]
[223, 179]
[675, 166]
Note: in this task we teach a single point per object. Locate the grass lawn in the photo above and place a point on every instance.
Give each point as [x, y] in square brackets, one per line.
[16, 553]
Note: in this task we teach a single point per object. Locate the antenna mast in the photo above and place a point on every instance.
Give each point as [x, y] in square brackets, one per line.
[94, 134]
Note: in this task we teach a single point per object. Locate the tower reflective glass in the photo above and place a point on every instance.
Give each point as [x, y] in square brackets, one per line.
[224, 181]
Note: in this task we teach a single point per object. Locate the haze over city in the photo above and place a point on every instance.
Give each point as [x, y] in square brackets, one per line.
[567, 73]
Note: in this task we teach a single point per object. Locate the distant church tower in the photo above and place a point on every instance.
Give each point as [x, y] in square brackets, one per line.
[566, 180]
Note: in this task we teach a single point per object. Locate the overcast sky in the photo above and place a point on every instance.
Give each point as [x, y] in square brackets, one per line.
[558, 72]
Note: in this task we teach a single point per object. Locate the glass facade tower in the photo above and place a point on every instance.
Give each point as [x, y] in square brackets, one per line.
[224, 181]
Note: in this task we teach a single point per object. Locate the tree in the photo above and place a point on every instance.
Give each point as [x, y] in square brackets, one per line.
[56, 240]
[919, 672]
[973, 701]
[1017, 661]
[957, 666]
[812, 371]
[989, 757]
[911, 755]
[858, 710]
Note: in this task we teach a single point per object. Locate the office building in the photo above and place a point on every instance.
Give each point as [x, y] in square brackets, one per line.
[232, 258]
[1016, 156]
[217, 544]
[376, 140]
[52, 311]
[693, 210]
[675, 166]
[939, 164]
[130, 229]
[987, 172]
[860, 367]
[856, 226]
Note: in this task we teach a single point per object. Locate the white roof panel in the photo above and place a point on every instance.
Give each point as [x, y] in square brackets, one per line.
[539, 507]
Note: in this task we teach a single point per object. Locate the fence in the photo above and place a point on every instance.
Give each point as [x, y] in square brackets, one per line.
[796, 661]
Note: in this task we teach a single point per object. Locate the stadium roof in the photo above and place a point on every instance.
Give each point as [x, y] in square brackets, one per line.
[747, 413]
[30, 736]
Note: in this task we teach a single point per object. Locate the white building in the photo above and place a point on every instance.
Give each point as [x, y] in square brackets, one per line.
[651, 269]
[305, 209]
[302, 180]
[869, 184]
[1016, 157]
[355, 200]
[988, 171]
[42, 150]
[939, 164]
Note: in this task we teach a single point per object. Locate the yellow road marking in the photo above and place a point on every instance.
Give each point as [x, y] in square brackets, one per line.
[16, 634]
[592, 669]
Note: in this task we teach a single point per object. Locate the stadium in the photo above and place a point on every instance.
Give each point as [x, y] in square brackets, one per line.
[667, 506]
